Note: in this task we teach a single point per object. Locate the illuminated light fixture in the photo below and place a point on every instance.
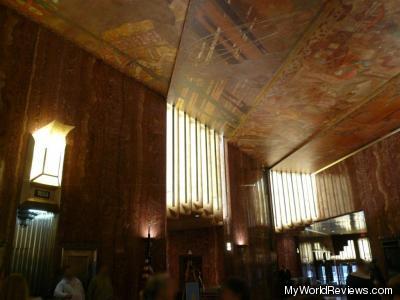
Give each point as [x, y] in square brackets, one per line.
[306, 253]
[321, 253]
[196, 183]
[334, 195]
[259, 203]
[348, 252]
[48, 154]
[25, 216]
[41, 187]
[42, 214]
[229, 246]
[364, 248]
[294, 199]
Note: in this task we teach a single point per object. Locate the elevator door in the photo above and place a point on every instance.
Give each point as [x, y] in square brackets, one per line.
[33, 253]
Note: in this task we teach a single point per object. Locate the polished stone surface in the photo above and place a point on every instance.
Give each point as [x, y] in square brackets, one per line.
[374, 180]
[114, 171]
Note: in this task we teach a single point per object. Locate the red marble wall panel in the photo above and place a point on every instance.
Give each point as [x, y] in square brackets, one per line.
[114, 173]
[287, 256]
[16, 55]
[374, 179]
[253, 244]
[243, 174]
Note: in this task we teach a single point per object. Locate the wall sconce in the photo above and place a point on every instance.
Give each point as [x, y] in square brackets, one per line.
[48, 153]
[229, 246]
[241, 249]
[41, 187]
[148, 246]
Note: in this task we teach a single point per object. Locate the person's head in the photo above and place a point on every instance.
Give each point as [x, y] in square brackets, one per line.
[159, 287]
[235, 289]
[15, 288]
[68, 273]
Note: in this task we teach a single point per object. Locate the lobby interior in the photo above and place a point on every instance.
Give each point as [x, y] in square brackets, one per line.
[246, 136]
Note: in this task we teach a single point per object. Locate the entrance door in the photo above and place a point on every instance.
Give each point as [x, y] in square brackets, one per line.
[183, 260]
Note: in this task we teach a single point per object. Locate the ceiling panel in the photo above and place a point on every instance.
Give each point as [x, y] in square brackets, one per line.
[374, 119]
[230, 50]
[139, 37]
[351, 51]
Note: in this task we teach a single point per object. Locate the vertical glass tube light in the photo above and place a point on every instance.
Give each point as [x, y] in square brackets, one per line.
[364, 249]
[294, 199]
[334, 194]
[306, 253]
[257, 200]
[195, 167]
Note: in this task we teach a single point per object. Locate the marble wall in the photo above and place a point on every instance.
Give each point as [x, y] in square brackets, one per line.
[374, 180]
[114, 173]
[286, 247]
[369, 181]
[253, 244]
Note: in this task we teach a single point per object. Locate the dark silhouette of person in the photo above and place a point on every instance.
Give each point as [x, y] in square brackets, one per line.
[100, 288]
[361, 279]
[235, 289]
[376, 274]
[159, 287]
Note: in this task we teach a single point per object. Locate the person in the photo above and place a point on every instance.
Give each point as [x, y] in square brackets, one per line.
[235, 289]
[159, 287]
[15, 288]
[100, 288]
[361, 278]
[376, 274]
[282, 281]
[69, 287]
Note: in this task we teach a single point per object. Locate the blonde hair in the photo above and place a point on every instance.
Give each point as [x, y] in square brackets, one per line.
[15, 288]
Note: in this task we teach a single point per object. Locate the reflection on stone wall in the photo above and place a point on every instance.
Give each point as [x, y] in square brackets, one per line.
[286, 246]
[372, 179]
[251, 236]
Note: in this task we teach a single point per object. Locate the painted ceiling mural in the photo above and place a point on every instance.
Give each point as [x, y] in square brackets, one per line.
[351, 51]
[138, 37]
[297, 84]
[230, 50]
[377, 117]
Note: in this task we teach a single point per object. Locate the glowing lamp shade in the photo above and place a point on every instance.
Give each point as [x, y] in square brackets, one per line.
[48, 154]
[229, 246]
